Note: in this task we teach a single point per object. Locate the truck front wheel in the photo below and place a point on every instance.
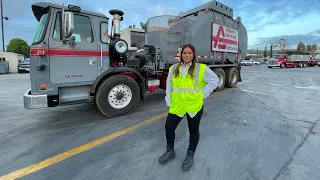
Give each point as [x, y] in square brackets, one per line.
[117, 95]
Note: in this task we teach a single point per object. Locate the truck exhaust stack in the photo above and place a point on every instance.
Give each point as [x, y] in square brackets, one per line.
[117, 17]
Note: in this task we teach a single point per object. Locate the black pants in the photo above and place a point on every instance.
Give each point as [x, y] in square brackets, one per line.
[193, 124]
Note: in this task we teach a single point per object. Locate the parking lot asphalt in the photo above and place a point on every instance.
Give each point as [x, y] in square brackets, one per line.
[267, 128]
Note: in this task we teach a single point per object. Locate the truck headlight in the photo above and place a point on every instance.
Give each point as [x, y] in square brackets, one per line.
[121, 46]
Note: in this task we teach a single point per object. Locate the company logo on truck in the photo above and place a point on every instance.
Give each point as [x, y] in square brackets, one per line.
[224, 39]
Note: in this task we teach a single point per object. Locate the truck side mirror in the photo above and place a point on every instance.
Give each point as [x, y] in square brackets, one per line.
[67, 24]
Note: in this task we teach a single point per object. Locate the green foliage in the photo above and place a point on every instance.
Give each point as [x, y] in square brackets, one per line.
[19, 46]
[142, 25]
[312, 48]
[265, 52]
[301, 47]
[309, 47]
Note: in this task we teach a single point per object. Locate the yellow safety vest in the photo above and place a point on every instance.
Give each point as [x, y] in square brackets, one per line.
[187, 93]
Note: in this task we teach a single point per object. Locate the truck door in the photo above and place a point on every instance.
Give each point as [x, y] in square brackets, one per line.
[75, 60]
[101, 26]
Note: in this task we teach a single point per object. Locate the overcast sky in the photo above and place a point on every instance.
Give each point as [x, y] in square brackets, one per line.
[266, 20]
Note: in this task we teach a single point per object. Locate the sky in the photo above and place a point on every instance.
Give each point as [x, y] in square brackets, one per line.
[266, 20]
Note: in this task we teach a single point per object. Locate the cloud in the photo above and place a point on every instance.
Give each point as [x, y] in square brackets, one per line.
[315, 33]
[258, 14]
[245, 4]
[268, 22]
[293, 40]
[305, 28]
[157, 10]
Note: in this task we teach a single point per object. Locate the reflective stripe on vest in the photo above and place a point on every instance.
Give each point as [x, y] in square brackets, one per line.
[197, 75]
[185, 90]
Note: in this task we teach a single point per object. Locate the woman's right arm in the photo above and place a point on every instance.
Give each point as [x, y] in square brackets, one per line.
[168, 88]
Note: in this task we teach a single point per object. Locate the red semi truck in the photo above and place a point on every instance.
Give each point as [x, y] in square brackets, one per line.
[289, 59]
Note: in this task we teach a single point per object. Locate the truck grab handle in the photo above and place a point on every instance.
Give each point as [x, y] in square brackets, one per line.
[100, 56]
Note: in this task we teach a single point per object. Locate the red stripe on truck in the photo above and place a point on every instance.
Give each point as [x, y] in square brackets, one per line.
[68, 52]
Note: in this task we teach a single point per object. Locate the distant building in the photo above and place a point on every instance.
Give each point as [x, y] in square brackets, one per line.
[13, 60]
[253, 56]
[317, 56]
[135, 38]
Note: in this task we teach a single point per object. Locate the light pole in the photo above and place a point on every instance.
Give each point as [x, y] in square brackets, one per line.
[6, 18]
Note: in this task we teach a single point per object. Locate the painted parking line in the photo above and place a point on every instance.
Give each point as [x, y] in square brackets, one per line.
[273, 95]
[55, 159]
[67, 154]
[246, 81]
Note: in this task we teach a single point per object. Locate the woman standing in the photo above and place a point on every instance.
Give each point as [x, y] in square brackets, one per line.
[188, 84]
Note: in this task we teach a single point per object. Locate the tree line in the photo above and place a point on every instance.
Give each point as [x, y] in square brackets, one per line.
[312, 48]
[142, 25]
[282, 45]
[20, 46]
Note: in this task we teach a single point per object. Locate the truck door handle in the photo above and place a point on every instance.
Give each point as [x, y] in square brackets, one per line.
[41, 67]
[100, 56]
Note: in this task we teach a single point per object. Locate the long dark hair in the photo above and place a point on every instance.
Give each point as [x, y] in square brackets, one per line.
[194, 61]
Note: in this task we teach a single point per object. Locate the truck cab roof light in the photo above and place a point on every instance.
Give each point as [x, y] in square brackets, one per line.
[74, 8]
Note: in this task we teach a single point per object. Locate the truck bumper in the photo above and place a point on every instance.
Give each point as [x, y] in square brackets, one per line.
[23, 69]
[273, 65]
[34, 101]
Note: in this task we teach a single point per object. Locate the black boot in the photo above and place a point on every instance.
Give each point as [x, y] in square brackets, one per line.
[169, 154]
[188, 161]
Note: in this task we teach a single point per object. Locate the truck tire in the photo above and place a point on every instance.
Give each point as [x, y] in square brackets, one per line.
[232, 77]
[117, 95]
[222, 78]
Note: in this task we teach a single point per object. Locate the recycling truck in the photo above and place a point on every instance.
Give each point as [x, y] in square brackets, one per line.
[76, 58]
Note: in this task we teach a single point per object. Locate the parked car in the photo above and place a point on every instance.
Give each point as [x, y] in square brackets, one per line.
[253, 62]
[249, 62]
[24, 66]
[245, 63]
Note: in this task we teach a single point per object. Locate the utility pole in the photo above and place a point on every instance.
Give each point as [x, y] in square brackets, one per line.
[6, 18]
[2, 27]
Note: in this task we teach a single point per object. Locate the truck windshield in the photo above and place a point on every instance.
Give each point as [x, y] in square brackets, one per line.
[277, 56]
[40, 29]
